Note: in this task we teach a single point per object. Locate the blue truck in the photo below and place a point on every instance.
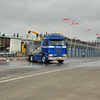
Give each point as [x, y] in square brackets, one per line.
[53, 48]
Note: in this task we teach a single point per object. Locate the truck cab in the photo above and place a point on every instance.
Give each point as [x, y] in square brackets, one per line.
[53, 48]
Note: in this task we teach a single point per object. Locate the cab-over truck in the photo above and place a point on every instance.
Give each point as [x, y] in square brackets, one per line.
[53, 48]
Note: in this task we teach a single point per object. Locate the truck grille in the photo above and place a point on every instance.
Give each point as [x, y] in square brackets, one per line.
[58, 51]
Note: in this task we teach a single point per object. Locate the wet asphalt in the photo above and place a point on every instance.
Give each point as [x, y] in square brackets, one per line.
[53, 64]
[75, 79]
[8, 68]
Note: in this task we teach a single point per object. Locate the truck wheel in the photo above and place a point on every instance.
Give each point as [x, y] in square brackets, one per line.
[31, 58]
[43, 58]
[60, 61]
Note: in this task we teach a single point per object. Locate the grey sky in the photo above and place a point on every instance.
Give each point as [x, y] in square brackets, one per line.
[20, 16]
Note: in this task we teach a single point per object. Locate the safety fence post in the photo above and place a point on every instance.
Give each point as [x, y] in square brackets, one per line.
[81, 52]
[84, 52]
[93, 53]
[78, 52]
[98, 54]
[74, 52]
[67, 51]
[89, 53]
[71, 52]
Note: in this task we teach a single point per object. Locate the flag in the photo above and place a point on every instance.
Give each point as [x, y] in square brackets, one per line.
[73, 23]
[97, 34]
[88, 30]
[66, 19]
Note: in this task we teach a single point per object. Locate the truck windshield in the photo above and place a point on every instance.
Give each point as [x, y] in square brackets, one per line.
[56, 42]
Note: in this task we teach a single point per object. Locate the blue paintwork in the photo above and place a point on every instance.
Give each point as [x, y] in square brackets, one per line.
[48, 49]
[37, 57]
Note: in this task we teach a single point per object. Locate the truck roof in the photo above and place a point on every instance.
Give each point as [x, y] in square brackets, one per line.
[54, 36]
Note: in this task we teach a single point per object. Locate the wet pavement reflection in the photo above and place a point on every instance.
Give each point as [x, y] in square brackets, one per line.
[26, 64]
[18, 67]
[52, 64]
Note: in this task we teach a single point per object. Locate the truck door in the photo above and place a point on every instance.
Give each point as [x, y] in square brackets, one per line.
[38, 54]
[45, 42]
[45, 45]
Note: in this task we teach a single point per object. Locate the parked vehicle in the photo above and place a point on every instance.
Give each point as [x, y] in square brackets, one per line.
[12, 47]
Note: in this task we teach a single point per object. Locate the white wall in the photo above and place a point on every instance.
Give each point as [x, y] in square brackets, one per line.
[15, 46]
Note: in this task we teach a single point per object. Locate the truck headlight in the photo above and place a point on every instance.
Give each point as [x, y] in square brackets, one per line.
[64, 55]
[50, 55]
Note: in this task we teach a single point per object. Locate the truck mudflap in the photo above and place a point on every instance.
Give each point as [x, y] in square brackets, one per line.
[57, 58]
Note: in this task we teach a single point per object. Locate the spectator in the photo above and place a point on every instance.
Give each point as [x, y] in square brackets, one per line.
[46, 33]
[14, 34]
[37, 35]
[3, 34]
[17, 34]
[83, 54]
[41, 35]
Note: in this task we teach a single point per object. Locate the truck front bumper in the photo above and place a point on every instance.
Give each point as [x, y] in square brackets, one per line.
[57, 58]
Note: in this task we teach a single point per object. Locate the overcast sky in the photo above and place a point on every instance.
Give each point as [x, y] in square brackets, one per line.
[20, 16]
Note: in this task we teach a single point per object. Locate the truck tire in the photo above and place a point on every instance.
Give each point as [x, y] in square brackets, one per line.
[60, 61]
[31, 58]
[44, 58]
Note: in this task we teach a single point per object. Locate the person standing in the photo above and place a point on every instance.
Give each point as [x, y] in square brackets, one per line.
[3, 34]
[14, 34]
[83, 54]
[17, 34]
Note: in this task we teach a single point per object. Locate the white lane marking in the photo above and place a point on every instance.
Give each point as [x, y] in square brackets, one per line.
[18, 67]
[37, 74]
